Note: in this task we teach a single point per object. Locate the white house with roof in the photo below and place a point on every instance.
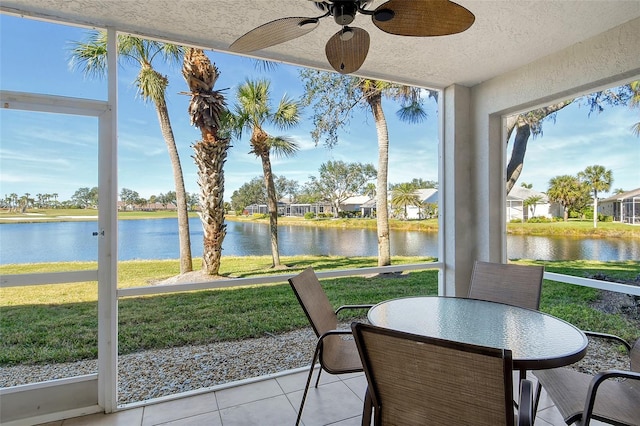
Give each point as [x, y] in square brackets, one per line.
[363, 205]
[623, 207]
[428, 204]
[518, 206]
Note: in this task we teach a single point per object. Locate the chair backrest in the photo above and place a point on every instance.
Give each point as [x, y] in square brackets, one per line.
[314, 301]
[517, 285]
[417, 380]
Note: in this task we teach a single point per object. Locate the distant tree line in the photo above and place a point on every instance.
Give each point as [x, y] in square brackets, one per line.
[85, 197]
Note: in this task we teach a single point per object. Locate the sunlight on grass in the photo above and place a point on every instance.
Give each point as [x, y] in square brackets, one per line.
[58, 323]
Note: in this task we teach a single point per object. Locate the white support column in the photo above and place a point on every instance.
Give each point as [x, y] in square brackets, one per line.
[457, 225]
[108, 241]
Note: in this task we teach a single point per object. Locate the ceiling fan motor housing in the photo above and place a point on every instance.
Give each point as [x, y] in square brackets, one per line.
[343, 11]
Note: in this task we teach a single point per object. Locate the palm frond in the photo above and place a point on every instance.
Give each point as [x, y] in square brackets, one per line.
[288, 113]
[282, 146]
[412, 112]
[152, 85]
[90, 56]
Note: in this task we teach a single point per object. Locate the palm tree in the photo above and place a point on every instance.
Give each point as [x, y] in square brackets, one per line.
[566, 190]
[404, 195]
[252, 112]
[411, 111]
[91, 57]
[334, 97]
[598, 179]
[531, 202]
[206, 108]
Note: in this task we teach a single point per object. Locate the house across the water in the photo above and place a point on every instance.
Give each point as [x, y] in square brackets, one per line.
[623, 207]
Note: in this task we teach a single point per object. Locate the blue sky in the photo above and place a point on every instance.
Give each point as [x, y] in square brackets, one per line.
[46, 153]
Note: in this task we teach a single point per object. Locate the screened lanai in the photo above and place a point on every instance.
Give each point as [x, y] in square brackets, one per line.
[517, 55]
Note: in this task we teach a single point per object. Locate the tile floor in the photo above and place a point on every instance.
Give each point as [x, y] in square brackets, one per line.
[272, 401]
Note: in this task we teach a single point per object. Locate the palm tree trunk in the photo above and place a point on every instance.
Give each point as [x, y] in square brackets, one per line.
[206, 108]
[382, 216]
[210, 156]
[186, 264]
[595, 208]
[272, 203]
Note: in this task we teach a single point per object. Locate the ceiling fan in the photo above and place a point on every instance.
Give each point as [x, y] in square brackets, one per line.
[347, 49]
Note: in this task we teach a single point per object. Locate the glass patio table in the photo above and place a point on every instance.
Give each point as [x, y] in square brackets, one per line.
[537, 340]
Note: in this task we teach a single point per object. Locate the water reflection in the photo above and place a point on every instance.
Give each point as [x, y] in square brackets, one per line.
[158, 239]
[572, 248]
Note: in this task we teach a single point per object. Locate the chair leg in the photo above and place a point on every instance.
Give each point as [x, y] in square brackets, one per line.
[367, 408]
[537, 399]
[319, 373]
[306, 388]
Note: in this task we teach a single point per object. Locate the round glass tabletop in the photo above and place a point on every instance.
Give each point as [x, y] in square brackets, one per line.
[536, 340]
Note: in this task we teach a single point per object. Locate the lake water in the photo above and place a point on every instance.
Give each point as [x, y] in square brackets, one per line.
[158, 239]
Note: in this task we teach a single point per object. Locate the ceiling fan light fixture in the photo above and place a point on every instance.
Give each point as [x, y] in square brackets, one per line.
[383, 15]
[346, 34]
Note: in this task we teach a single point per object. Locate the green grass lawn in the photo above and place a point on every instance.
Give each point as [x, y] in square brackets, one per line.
[58, 323]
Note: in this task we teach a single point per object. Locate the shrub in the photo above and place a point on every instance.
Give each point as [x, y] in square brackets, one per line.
[516, 220]
[539, 219]
[605, 218]
[309, 215]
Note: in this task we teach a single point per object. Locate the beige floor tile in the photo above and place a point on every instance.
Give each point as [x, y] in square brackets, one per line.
[357, 384]
[353, 421]
[130, 417]
[208, 419]
[178, 409]
[248, 393]
[294, 382]
[328, 404]
[550, 415]
[275, 411]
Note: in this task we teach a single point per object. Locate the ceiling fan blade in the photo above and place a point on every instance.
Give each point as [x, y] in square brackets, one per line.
[422, 18]
[347, 49]
[272, 33]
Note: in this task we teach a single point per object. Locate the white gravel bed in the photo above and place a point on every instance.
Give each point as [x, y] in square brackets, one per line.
[152, 374]
[156, 373]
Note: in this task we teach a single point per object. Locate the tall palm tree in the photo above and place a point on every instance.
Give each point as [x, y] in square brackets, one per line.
[91, 57]
[206, 109]
[598, 179]
[253, 111]
[411, 111]
[334, 97]
[403, 195]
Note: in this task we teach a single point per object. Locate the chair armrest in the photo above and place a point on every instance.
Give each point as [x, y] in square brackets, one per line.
[610, 337]
[525, 403]
[353, 307]
[595, 384]
[335, 332]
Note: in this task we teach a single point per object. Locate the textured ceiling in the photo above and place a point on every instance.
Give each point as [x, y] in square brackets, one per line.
[506, 35]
